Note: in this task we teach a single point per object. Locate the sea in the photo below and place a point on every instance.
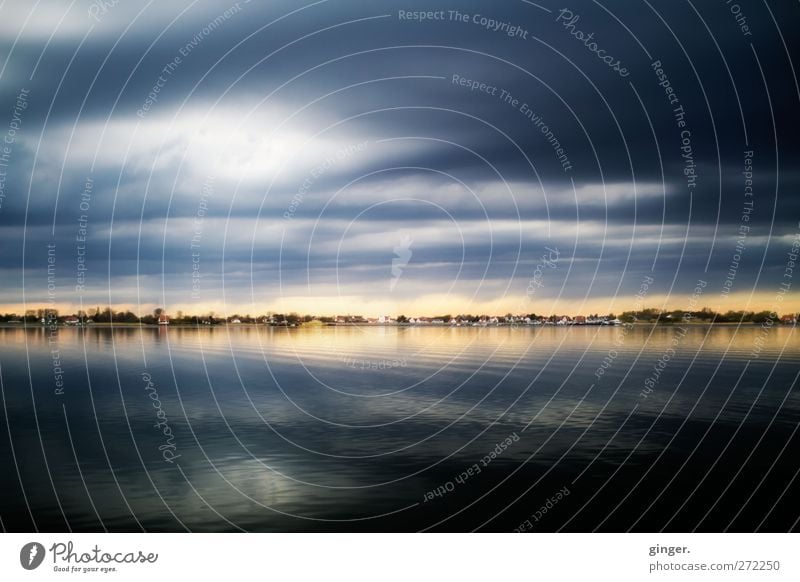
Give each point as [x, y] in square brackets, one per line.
[394, 429]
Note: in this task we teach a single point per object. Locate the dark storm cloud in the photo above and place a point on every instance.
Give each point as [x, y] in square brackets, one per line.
[149, 105]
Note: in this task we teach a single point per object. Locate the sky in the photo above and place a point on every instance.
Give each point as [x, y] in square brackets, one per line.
[359, 157]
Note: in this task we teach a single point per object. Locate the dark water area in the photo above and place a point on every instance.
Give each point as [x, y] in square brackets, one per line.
[400, 429]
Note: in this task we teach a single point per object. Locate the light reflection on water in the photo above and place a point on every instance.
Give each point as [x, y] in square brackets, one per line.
[314, 428]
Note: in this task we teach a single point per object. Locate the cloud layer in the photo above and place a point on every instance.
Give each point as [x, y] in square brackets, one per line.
[286, 152]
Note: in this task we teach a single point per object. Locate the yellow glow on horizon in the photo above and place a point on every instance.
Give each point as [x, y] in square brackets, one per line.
[441, 304]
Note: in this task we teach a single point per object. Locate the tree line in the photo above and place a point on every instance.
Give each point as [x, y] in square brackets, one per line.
[109, 315]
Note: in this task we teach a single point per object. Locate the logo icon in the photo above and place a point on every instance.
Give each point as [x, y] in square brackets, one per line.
[31, 555]
[403, 253]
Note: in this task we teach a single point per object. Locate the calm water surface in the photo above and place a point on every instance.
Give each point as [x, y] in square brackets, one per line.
[387, 429]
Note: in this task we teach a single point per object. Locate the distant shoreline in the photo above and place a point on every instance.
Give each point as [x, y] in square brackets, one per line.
[6, 325]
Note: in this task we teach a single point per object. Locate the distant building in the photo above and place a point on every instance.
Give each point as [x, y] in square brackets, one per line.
[163, 319]
[580, 320]
[789, 319]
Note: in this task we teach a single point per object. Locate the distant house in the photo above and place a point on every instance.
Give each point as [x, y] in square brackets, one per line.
[580, 320]
[72, 321]
[789, 319]
[163, 319]
[236, 320]
[350, 319]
